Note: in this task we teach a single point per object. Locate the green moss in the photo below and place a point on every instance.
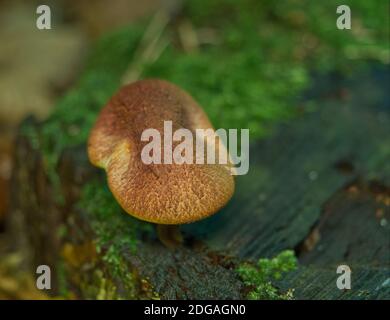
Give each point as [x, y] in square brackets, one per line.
[260, 277]
[115, 230]
[263, 52]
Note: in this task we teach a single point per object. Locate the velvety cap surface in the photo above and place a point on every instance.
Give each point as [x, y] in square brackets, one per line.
[159, 193]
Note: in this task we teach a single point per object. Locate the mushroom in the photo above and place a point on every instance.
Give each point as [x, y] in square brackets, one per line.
[165, 194]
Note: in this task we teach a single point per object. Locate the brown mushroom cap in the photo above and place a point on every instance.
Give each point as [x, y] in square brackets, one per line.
[159, 193]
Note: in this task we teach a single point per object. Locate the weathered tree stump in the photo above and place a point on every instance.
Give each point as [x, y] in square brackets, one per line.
[318, 185]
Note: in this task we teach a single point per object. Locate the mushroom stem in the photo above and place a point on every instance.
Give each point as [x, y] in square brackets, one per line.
[170, 235]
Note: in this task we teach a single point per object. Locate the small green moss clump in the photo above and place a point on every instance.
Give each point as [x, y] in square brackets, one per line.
[260, 277]
[114, 229]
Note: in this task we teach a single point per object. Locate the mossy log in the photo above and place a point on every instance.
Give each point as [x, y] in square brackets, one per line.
[318, 185]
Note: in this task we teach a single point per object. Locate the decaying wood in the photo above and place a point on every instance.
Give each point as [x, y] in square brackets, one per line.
[319, 185]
